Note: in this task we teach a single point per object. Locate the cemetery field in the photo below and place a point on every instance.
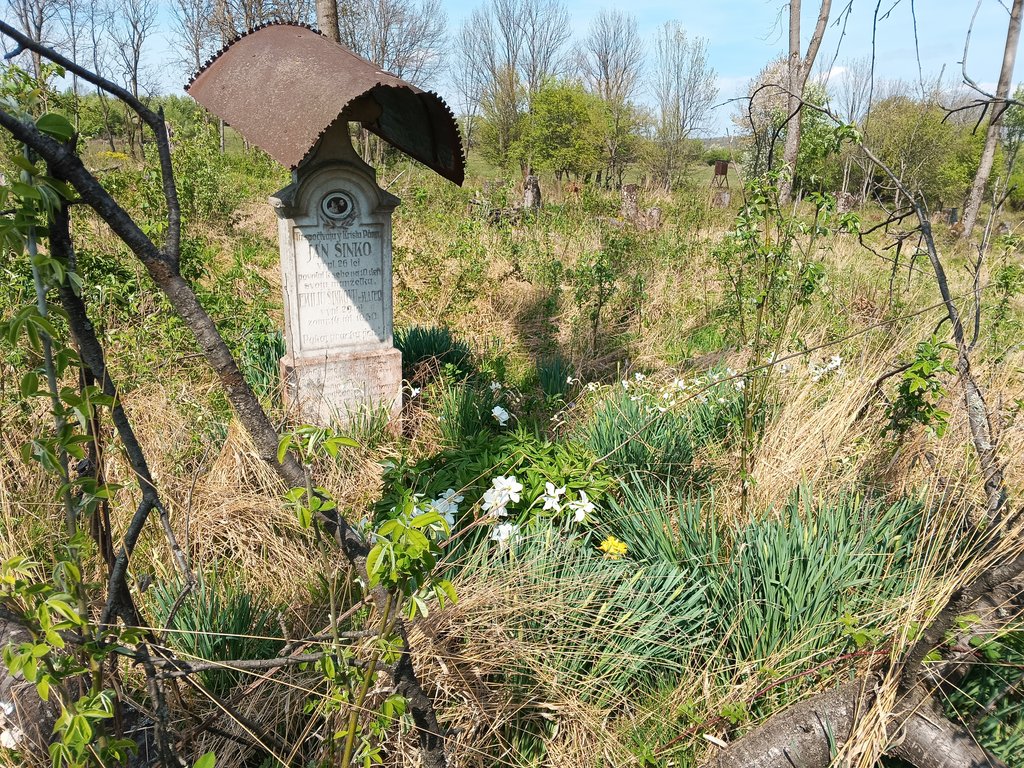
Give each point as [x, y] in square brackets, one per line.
[657, 484]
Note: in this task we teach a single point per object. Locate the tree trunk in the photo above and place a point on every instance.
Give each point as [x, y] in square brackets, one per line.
[327, 19]
[796, 91]
[799, 69]
[808, 734]
[992, 134]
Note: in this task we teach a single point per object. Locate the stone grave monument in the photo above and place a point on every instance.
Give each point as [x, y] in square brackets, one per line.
[292, 92]
[334, 231]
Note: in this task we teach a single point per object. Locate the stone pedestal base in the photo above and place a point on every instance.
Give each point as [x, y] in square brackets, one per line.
[329, 389]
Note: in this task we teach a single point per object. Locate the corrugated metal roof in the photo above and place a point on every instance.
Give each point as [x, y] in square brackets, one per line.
[282, 85]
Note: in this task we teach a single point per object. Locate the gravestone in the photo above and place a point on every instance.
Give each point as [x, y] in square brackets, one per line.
[334, 230]
[630, 208]
[652, 218]
[845, 202]
[531, 193]
[720, 197]
[291, 92]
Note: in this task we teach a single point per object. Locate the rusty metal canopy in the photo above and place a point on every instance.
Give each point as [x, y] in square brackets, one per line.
[282, 85]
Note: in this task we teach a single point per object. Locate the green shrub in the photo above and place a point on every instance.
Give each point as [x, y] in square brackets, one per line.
[260, 360]
[636, 428]
[434, 346]
[783, 582]
[219, 620]
[602, 628]
[470, 468]
[553, 375]
[464, 409]
[790, 578]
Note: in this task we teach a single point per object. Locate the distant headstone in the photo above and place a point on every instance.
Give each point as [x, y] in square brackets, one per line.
[334, 230]
[653, 218]
[720, 197]
[630, 210]
[845, 202]
[531, 193]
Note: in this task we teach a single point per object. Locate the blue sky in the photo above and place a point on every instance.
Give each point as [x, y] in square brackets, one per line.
[743, 35]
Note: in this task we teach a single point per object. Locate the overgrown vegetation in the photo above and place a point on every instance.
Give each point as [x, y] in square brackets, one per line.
[651, 485]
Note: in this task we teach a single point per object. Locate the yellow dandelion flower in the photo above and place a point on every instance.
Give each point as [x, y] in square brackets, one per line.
[613, 548]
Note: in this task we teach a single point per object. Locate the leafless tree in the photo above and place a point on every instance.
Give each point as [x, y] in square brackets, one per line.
[192, 31]
[526, 37]
[70, 16]
[133, 24]
[612, 57]
[851, 95]
[998, 106]
[853, 89]
[799, 69]
[684, 91]
[232, 18]
[479, 60]
[404, 37]
[97, 19]
[468, 81]
[507, 50]
[610, 61]
[34, 17]
[545, 28]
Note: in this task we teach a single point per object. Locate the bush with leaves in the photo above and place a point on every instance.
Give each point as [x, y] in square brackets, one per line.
[921, 389]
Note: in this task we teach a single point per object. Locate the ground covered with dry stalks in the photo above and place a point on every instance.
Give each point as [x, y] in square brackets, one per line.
[745, 467]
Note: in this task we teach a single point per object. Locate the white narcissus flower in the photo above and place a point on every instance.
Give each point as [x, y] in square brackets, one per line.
[501, 415]
[504, 534]
[550, 497]
[494, 503]
[447, 505]
[495, 386]
[503, 491]
[581, 507]
[509, 485]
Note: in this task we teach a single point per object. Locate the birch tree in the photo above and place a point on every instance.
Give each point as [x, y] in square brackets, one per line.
[998, 106]
[684, 90]
[610, 61]
[34, 17]
[799, 69]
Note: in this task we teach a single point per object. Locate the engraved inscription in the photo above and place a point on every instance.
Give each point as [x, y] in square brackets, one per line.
[339, 291]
